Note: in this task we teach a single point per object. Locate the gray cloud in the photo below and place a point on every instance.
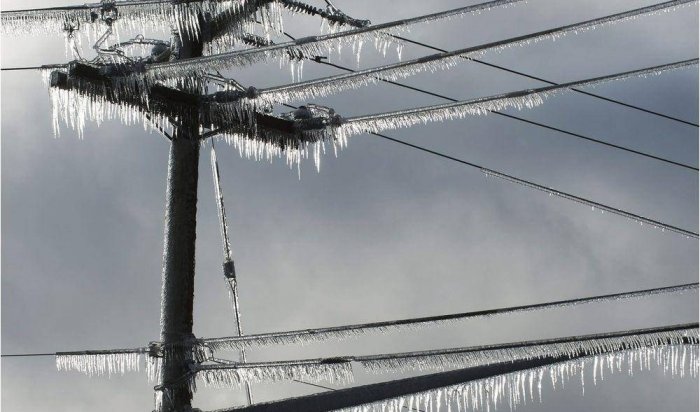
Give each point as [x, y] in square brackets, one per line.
[382, 232]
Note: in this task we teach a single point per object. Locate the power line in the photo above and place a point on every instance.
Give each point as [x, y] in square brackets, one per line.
[487, 386]
[526, 98]
[312, 44]
[470, 356]
[519, 73]
[319, 334]
[550, 191]
[334, 84]
[27, 355]
[532, 122]
[12, 69]
[308, 335]
[88, 6]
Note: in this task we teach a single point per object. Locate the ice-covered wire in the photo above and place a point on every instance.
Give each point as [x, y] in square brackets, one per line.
[572, 346]
[99, 362]
[439, 61]
[535, 123]
[135, 14]
[229, 269]
[525, 386]
[340, 368]
[307, 46]
[234, 374]
[345, 331]
[541, 79]
[527, 98]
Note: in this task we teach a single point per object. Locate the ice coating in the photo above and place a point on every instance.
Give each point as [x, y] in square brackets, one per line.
[234, 375]
[526, 386]
[381, 35]
[441, 61]
[520, 100]
[266, 147]
[348, 331]
[485, 355]
[672, 341]
[133, 15]
[95, 364]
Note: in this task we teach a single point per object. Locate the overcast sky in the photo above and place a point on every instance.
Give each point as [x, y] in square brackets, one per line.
[383, 231]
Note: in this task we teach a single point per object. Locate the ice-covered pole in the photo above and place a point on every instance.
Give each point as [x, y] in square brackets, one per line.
[177, 295]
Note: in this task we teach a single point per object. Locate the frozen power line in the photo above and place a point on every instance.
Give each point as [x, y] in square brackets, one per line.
[339, 369]
[540, 79]
[488, 172]
[345, 331]
[445, 60]
[314, 45]
[379, 34]
[496, 385]
[527, 98]
[135, 14]
[319, 334]
[532, 122]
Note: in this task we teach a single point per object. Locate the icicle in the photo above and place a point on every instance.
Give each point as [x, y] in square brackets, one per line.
[381, 35]
[233, 375]
[463, 358]
[490, 393]
[139, 16]
[529, 98]
[93, 364]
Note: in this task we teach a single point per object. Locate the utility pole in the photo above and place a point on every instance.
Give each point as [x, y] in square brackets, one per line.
[177, 293]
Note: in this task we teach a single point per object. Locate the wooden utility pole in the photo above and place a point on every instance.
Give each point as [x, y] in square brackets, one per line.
[177, 293]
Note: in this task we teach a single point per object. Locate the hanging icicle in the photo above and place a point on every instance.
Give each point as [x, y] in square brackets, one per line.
[608, 344]
[485, 355]
[526, 386]
[234, 375]
[131, 15]
[528, 98]
[94, 363]
[380, 35]
[441, 61]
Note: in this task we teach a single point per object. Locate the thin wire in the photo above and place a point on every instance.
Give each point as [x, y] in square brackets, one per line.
[13, 69]
[27, 355]
[577, 135]
[536, 186]
[519, 73]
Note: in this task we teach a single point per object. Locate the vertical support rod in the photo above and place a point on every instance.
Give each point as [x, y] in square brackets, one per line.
[229, 267]
[177, 293]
